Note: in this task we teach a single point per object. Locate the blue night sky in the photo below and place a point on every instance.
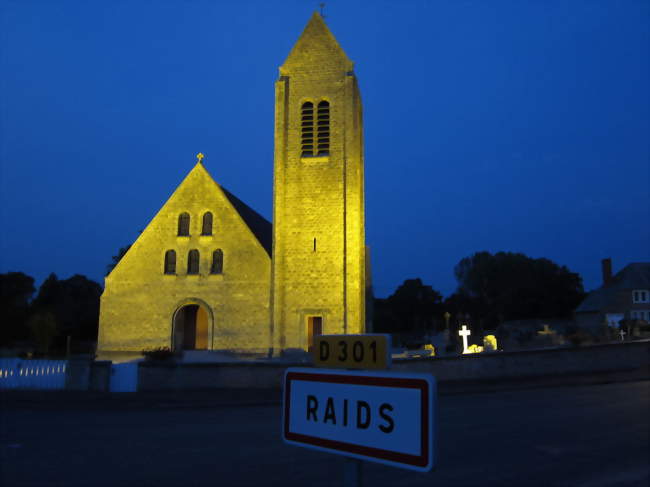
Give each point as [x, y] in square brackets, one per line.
[518, 125]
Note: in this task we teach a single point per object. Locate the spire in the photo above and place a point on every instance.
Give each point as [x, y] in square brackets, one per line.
[316, 47]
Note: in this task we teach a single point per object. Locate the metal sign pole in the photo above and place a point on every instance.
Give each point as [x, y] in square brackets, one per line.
[352, 473]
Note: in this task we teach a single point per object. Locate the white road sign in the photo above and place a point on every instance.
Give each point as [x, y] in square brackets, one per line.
[385, 417]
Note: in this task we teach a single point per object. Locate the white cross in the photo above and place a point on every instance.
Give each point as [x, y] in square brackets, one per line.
[622, 333]
[464, 332]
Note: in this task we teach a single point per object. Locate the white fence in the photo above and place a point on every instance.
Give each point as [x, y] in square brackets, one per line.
[16, 373]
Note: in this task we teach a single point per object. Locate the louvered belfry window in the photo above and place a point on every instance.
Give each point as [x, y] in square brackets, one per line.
[307, 128]
[323, 133]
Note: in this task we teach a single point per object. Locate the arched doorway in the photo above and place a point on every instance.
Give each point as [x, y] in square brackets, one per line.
[191, 328]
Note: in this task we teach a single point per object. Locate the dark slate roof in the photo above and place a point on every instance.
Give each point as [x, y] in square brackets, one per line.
[632, 276]
[260, 226]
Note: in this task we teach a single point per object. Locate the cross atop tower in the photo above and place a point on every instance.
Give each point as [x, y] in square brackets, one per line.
[199, 157]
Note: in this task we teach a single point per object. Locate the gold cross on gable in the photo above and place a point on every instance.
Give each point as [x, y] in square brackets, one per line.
[199, 157]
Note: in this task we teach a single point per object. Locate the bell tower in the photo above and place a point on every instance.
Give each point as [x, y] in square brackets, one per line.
[318, 273]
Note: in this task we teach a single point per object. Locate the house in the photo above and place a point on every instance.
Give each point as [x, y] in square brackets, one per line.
[623, 296]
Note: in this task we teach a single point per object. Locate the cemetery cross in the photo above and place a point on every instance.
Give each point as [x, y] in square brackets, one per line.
[464, 332]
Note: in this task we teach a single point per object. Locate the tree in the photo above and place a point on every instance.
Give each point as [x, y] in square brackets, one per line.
[43, 328]
[117, 258]
[509, 286]
[73, 302]
[16, 289]
[413, 308]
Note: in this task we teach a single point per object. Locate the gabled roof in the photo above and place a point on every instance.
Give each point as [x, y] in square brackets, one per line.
[316, 49]
[260, 226]
[632, 276]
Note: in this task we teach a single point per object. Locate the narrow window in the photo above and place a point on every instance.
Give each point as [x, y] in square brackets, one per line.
[184, 224]
[217, 262]
[307, 129]
[323, 128]
[207, 224]
[193, 262]
[314, 245]
[170, 262]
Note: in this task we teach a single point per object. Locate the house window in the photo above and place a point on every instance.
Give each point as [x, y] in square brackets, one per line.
[323, 128]
[641, 296]
[641, 315]
[170, 262]
[193, 262]
[184, 225]
[307, 129]
[217, 262]
[206, 228]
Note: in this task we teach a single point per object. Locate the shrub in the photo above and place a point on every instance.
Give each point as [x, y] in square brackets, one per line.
[160, 353]
[579, 337]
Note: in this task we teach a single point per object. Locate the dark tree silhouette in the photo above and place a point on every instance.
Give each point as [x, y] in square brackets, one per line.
[415, 308]
[16, 289]
[73, 302]
[509, 286]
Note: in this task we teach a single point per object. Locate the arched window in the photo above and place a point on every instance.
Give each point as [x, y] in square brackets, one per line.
[193, 262]
[184, 224]
[170, 262]
[323, 128]
[206, 229]
[307, 129]
[217, 262]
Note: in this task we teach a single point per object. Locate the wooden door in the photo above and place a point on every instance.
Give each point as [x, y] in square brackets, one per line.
[314, 328]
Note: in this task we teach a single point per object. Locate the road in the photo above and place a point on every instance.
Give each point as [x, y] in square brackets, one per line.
[583, 436]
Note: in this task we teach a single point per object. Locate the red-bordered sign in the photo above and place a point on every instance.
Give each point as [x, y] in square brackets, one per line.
[385, 417]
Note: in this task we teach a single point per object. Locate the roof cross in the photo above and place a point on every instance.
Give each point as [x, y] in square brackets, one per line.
[199, 157]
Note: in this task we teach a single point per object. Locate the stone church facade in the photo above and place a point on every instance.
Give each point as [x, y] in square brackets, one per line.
[210, 273]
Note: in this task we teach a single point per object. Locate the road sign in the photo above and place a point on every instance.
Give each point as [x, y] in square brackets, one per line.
[370, 351]
[384, 417]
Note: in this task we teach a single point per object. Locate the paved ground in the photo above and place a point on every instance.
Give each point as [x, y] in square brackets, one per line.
[572, 435]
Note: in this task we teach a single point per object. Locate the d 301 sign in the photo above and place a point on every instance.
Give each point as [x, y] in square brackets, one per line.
[368, 351]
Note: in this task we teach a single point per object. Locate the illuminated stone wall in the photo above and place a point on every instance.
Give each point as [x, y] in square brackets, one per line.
[319, 198]
[139, 300]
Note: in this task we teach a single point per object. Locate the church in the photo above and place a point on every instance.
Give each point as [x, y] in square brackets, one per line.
[210, 273]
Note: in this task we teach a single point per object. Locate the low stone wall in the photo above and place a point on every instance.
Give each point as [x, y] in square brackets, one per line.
[154, 376]
[531, 363]
[488, 366]
[100, 376]
[84, 374]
